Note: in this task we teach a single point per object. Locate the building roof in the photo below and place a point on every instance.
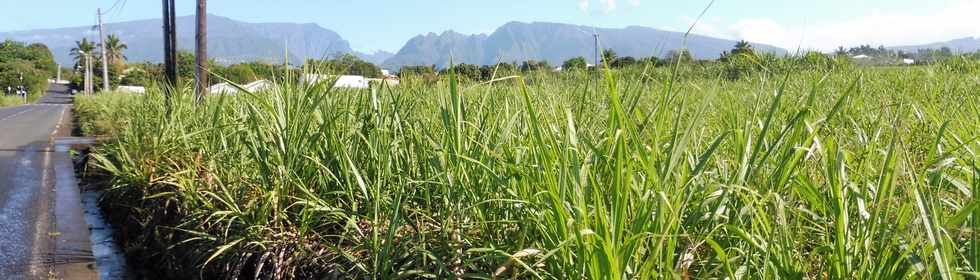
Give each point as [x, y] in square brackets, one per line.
[313, 78]
[343, 81]
[258, 85]
[132, 89]
[386, 81]
[227, 88]
[350, 81]
[223, 88]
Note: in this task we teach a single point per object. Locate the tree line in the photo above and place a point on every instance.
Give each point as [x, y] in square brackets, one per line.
[25, 65]
[115, 58]
[148, 73]
[738, 62]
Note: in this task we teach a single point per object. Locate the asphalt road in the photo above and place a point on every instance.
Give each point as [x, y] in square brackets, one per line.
[29, 227]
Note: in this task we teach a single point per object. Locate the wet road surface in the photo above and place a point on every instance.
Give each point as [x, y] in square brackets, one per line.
[40, 236]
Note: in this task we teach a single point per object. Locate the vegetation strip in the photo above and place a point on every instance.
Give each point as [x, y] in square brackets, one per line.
[800, 167]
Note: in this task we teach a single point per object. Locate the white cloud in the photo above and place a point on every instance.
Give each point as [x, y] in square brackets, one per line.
[604, 6]
[610, 5]
[956, 20]
[712, 26]
[762, 30]
[583, 5]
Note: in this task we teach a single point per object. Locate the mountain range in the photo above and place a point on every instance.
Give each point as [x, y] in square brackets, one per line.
[377, 57]
[555, 43]
[231, 41]
[962, 45]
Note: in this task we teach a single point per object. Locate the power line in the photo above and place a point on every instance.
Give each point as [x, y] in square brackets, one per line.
[120, 10]
[114, 5]
[105, 63]
[95, 26]
[115, 10]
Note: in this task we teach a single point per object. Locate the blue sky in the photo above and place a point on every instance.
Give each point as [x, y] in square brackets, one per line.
[386, 25]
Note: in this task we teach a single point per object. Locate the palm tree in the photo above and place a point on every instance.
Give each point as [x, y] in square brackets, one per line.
[114, 49]
[82, 49]
[742, 47]
[608, 55]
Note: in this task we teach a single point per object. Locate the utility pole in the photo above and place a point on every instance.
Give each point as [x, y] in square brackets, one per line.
[23, 89]
[58, 77]
[169, 42]
[169, 50]
[201, 55]
[89, 81]
[81, 69]
[84, 72]
[596, 37]
[173, 42]
[85, 75]
[166, 39]
[105, 64]
[595, 69]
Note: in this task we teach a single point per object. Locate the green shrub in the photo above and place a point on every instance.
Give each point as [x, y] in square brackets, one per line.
[10, 100]
[959, 65]
[663, 173]
[29, 66]
[739, 66]
[17, 73]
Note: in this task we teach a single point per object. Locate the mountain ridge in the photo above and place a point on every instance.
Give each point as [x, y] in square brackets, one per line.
[377, 57]
[959, 45]
[229, 41]
[553, 42]
[233, 41]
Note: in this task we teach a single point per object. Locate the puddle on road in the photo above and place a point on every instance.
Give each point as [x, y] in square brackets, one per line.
[23, 208]
[109, 258]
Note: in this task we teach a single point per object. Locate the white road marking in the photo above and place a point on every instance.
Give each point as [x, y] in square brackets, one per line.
[42, 225]
[17, 114]
[57, 127]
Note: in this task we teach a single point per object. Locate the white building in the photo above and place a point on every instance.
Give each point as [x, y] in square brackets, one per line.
[908, 61]
[343, 81]
[861, 56]
[227, 88]
[313, 78]
[388, 75]
[223, 88]
[259, 85]
[387, 81]
[131, 89]
[351, 81]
